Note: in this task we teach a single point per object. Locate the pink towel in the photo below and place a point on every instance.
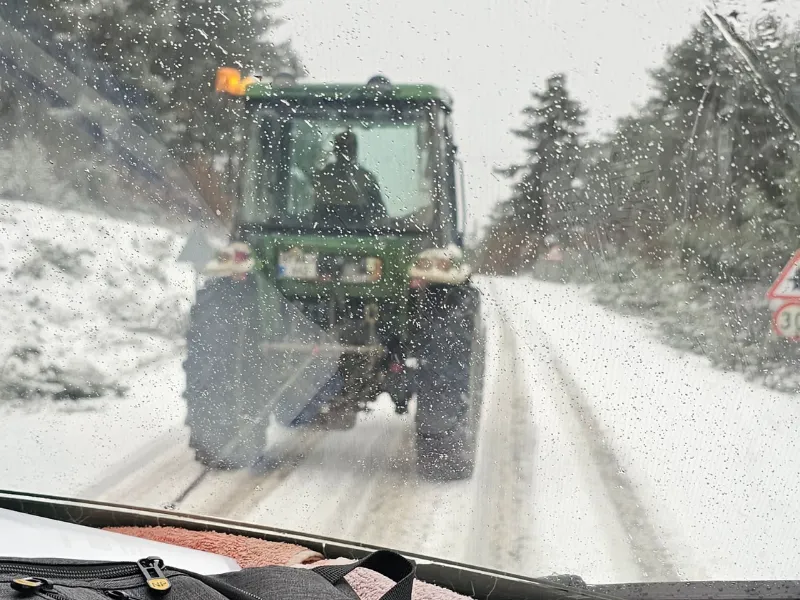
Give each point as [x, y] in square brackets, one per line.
[370, 585]
[247, 551]
[253, 552]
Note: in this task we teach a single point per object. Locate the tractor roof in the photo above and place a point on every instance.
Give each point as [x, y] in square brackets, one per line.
[347, 91]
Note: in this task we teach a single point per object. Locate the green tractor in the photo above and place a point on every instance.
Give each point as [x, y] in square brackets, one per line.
[344, 279]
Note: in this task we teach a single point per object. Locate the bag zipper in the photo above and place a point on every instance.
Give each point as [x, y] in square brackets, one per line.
[107, 571]
[52, 594]
[150, 568]
[36, 586]
[42, 587]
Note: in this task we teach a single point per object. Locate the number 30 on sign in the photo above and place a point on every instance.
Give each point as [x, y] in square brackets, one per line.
[786, 321]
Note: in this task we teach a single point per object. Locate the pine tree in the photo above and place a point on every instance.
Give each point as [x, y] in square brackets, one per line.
[212, 34]
[710, 106]
[134, 40]
[552, 132]
[158, 58]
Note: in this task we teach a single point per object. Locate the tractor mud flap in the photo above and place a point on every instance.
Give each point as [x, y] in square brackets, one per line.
[309, 382]
[329, 391]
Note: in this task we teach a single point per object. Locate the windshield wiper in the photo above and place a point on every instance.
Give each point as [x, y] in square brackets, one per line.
[761, 75]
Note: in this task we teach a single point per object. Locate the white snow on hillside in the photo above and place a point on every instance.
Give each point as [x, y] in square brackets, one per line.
[85, 299]
[90, 305]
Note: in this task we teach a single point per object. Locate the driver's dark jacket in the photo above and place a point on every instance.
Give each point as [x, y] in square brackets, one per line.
[348, 186]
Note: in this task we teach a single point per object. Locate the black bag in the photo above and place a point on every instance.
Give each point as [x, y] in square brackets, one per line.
[149, 579]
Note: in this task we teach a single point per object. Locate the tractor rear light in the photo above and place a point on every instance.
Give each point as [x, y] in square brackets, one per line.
[235, 260]
[240, 257]
[423, 264]
[236, 256]
[431, 264]
[439, 265]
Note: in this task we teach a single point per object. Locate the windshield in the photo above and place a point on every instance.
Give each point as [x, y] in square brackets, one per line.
[511, 284]
[300, 177]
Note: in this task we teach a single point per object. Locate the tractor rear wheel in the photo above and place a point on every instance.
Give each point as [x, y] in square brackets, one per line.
[222, 366]
[450, 384]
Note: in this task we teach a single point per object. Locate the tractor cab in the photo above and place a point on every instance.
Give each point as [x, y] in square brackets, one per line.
[349, 159]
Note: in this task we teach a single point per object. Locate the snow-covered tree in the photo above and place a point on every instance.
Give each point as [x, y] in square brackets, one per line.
[552, 134]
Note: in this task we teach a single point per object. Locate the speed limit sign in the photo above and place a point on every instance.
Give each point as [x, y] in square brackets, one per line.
[786, 321]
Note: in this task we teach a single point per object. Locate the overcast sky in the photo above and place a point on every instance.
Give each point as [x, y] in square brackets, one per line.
[489, 54]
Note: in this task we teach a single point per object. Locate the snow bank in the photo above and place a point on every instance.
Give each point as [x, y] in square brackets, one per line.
[727, 322]
[86, 300]
[71, 448]
[714, 458]
[91, 306]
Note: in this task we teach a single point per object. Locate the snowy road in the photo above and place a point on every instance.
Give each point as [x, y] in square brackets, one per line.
[602, 453]
[361, 484]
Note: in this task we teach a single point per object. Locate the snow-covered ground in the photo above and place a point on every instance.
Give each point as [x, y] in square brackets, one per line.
[713, 459]
[85, 300]
[602, 451]
[90, 305]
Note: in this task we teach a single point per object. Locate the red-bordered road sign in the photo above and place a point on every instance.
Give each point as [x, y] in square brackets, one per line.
[787, 285]
[786, 321]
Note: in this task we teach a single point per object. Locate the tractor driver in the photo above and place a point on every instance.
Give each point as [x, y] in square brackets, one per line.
[344, 188]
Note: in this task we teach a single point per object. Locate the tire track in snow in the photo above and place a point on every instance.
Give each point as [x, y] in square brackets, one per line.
[232, 494]
[651, 555]
[152, 476]
[140, 459]
[345, 481]
[390, 497]
[501, 518]
[253, 486]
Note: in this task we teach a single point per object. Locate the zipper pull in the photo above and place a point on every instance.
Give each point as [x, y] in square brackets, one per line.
[151, 569]
[30, 584]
